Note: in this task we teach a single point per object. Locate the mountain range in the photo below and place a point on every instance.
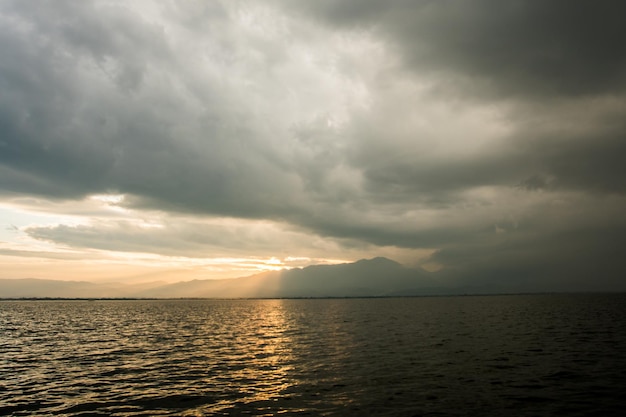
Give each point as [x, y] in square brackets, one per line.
[364, 278]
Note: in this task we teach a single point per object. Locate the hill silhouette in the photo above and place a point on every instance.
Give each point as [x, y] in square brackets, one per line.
[364, 278]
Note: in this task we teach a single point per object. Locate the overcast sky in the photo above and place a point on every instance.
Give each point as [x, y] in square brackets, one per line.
[151, 140]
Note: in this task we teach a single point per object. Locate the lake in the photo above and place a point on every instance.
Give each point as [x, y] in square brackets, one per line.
[526, 355]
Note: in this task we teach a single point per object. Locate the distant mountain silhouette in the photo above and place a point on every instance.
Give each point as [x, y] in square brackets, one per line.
[364, 278]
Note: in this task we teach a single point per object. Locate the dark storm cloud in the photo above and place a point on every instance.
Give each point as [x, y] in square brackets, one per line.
[577, 154]
[450, 125]
[537, 56]
[594, 164]
[90, 105]
[53, 118]
[514, 47]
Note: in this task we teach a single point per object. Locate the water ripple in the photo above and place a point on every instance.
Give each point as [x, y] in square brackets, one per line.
[528, 355]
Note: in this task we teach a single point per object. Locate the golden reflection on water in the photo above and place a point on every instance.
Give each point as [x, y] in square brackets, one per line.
[382, 357]
[263, 347]
[273, 355]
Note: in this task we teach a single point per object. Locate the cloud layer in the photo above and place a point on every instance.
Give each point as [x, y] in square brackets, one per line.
[487, 135]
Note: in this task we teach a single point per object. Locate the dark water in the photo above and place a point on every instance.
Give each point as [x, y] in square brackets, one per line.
[522, 355]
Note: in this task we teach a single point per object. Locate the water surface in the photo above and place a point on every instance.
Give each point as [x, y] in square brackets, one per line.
[524, 355]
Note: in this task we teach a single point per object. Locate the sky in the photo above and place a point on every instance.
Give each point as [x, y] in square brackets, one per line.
[168, 140]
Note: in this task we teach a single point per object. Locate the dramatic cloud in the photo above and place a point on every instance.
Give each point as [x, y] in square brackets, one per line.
[512, 47]
[483, 139]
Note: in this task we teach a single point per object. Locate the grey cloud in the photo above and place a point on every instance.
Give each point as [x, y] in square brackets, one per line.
[588, 160]
[533, 59]
[510, 47]
[72, 122]
[536, 182]
[108, 34]
[191, 239]
[576, 145]
[596, 165]
[483, 109]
